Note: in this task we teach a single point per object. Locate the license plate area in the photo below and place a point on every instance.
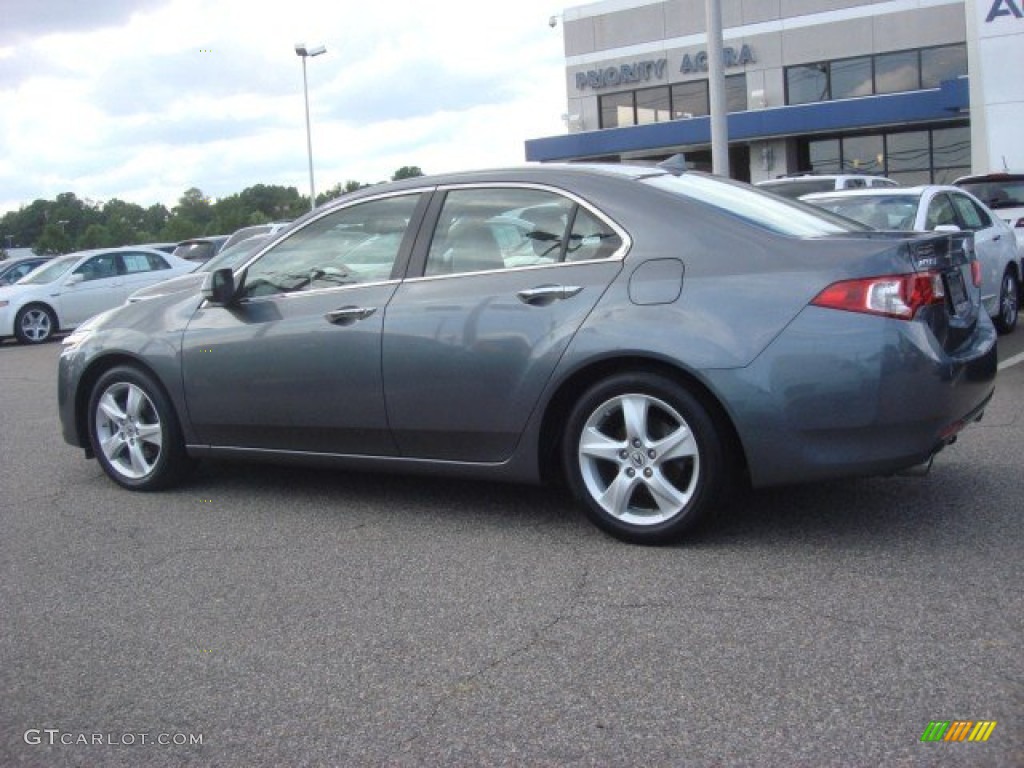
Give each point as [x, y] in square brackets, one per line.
[956, 290]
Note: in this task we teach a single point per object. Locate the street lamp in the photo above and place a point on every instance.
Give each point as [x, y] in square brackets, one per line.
[302, 50]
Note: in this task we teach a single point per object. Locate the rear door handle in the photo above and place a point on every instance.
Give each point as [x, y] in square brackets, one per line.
[349, 315]
[543, 295]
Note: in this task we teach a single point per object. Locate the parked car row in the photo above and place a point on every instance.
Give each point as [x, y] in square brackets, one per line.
[648, 339]
[43, 295]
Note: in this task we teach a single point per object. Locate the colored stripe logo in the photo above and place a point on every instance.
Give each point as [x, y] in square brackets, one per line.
[958, 730]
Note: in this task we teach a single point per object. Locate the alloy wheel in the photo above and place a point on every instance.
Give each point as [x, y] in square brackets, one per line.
[639, 459]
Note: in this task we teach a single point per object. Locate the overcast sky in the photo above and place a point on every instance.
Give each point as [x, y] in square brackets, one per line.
[142, 99]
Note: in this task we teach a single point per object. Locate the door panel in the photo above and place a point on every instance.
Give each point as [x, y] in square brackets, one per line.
[466, 357]
[512, 273]
[294, 362]
[279, 373]
[102, 287]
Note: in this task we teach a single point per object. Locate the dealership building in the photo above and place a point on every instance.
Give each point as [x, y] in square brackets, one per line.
[922, 91]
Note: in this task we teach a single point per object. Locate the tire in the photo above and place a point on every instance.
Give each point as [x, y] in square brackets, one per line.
[644, 458]
[35, 324]
[134, 431]
[1009, 303]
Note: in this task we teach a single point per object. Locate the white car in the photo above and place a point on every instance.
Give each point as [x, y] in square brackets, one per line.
[935, 207]
[68, 290]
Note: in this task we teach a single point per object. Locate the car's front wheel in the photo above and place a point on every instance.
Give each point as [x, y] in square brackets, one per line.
[644, 456]
[35, 324]
[1009, 303]
[134, 430]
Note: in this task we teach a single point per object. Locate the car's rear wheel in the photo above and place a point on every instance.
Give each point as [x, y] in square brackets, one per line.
[134, 430]
[1009, 303]
[644, 457]
[35, 324]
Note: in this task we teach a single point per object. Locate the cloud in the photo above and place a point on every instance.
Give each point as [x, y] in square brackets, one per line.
[32, 18]
[141, 100]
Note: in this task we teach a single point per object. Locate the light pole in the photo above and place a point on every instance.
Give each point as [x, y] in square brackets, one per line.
[302, 50]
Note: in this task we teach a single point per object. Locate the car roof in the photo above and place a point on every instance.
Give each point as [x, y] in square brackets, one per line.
[1001, 176]
[883, 191]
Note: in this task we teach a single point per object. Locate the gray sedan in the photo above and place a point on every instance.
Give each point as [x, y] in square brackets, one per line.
[648, 339]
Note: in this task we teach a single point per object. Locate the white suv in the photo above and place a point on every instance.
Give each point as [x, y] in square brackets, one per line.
[805, 183]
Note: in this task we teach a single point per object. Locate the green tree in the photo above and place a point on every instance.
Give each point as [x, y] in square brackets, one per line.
[53, 240]
[407, 172]
[95, 236]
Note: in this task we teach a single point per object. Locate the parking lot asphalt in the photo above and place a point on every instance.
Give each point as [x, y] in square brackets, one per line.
[284, 616]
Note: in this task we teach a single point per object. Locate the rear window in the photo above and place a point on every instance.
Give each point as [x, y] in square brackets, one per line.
[201, 251]
[1000, 192]
[793, 188]
[754, 206]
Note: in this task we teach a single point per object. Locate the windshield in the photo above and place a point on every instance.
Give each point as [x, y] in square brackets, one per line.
[786, 217]
[876, 211]
[49, 272]
[997, 193]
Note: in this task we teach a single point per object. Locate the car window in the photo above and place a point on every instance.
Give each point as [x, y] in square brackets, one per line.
[1002, 192]
[591, 238]
[940, 212]
[142, 262]
[98, 267]
[753, 205]
[855, 184]
[351, 245]
[489, 229]
[974, 218]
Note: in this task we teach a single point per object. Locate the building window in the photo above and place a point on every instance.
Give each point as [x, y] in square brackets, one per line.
[864, 154]
[807, 83]
[676, 102]
[850, 78]
[690, 99]
[908, 157]
[736, 93]
[896, 72]
[653, 105]
[946, 63]
[824, 155]
[881, 73]
[617, 110]
[936, 156]
[951, 153]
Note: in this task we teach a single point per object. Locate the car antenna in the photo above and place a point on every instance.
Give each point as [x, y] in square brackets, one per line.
[676, 165]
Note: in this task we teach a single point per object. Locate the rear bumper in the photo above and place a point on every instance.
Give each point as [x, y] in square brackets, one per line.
[841, 395]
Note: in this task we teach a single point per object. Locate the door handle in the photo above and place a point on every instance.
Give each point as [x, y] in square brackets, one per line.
[543, 295]
[349, 315]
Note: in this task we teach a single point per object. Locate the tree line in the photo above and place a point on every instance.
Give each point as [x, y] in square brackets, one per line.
[69, 223]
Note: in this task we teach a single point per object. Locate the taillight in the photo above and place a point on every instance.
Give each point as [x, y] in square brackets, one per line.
[899, 296]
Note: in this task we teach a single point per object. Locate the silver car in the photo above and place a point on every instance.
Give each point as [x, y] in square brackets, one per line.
[649, 339]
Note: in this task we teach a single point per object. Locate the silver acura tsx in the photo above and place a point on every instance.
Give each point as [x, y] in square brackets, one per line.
[648, 338]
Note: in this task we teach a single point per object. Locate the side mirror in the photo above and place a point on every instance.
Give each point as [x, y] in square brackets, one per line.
[219, 287]
[74, 279]
[947, 228]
